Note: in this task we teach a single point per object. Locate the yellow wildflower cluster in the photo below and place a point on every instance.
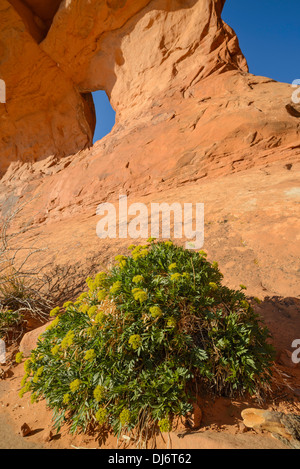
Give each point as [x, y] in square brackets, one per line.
[54, 311]
[99, 393]
[101, 295]
[75, 385]
[53, 324]
[202, 254]
[115, 287]
[38, 374]
[27, 365]
[99, 279]
[66, 398]
[120, 258]
[33, 398]
[95, 284]
[165, 425]
[101, 415]
[99, 317]
[124, 417]
[92, 311]
[138, 279]
[168, 243]
[171, 322]
[122, 261]
[135, 341]
[67, 340]
[175, 277]
[139, 252]
[155, 311]
[24, 379]
[83, 296]
[213, 286]
[55, 350]
[90, 355]
[25, 389]
[84, 308]
[139, 295]
[90, 283]
[19, 357]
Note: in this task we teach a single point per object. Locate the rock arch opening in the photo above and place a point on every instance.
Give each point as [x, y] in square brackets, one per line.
[105, 115]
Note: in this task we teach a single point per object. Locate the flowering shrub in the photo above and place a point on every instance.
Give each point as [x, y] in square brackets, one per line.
[126, 353]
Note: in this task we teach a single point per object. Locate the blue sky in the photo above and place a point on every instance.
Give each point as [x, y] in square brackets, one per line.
[269, 35]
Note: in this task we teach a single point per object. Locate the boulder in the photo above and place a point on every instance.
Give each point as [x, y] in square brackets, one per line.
[285, 427]
[30, 340]
[25, 430]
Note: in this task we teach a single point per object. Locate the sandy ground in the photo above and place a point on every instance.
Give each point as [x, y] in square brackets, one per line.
[9, 439]
[254, 239]
[220, 426]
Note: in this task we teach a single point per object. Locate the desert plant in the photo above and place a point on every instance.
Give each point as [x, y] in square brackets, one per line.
[29, 286]
[21, 285]
[127, 353]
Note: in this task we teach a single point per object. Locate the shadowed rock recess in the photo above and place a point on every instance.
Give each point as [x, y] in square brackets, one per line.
[192, 124]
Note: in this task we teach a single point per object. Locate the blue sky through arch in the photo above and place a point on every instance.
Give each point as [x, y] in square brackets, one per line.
[269, 35]
[105, 115]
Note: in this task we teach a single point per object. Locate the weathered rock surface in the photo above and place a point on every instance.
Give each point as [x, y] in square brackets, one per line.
[282, 426]
[44, 113]
[36, 15]
[30, 340]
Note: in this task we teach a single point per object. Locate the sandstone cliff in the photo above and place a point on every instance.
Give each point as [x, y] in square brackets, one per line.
[144, 54]
[193, 125]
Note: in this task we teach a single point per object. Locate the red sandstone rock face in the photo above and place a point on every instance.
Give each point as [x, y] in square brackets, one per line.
[36, 15]
[44, 113]
[152, 57]
[138, 51]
